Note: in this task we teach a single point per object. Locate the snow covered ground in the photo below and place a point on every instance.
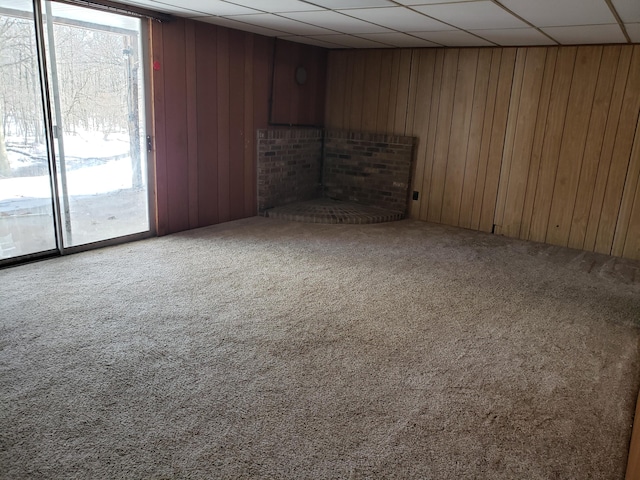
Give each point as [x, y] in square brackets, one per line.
[102, 202]
[83, 144]
[112, 175]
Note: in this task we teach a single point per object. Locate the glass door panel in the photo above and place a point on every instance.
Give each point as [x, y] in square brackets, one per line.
[26, 207]
[96, 84]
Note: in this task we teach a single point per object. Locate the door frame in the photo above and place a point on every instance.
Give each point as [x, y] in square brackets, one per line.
[45, 89]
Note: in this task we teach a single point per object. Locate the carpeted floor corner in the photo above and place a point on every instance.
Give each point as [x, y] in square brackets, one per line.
[271, 349]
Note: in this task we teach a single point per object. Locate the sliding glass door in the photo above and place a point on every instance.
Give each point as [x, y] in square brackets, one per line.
[94, 174]
[26, 201]
[94, 77]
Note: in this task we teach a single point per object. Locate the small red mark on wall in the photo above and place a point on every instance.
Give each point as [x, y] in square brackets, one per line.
[156, 65]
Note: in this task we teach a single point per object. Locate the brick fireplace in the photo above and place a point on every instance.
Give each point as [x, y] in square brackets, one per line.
[301, 164]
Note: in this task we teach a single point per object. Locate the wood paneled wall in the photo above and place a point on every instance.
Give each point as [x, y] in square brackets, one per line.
[538, 143]
[211, 92]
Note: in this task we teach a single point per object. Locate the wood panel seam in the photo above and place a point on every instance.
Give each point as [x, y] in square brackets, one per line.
[466, 155]
[630, 165]
[509, 138]
[582, 155]
[564, 123]
[602, 157]
[606, 188]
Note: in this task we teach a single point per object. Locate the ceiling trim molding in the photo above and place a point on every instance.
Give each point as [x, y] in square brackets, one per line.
[121, 8]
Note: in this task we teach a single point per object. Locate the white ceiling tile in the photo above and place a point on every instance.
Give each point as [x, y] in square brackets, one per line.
[552, 13]
[276, 6]
[211, 7]
[282, 24]
[336, 21]
[470, 15]
[629, 10]
[164, 8]
[246, 27]
[567, 21]
[398, 18]
[633, 29]
[429, 2]
[310, 41]
[398, 39]
[340, 4]
[453, 38]
[574, 35]
[350, 41]
[515, 36]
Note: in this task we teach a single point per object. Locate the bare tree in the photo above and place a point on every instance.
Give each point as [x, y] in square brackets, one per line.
[96, 77]
[5, 168]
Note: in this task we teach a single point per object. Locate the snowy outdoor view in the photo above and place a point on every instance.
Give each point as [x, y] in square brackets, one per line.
[95, 90]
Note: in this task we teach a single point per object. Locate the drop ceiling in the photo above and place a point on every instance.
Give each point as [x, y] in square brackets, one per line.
[419, 23]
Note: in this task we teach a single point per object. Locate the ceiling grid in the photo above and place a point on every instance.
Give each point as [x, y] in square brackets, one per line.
[419, 23]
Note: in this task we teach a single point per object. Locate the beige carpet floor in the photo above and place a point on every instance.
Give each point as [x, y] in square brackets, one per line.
[268, 349]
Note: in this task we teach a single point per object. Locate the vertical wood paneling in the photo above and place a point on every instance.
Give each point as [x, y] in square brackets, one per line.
[336, 85]
[621, 157]
[176, 147]
[496, 146]
[510, 138]
[631, 247]
[249, 137]
[441, 149]
[402, 93]
[593, 148]
[192, 122]
[372, 92]
[472, 157]
[317, 71]
[358, 86]
[608, 143]
[262, 70]
[420, 122]
[428, 136]
[459, 135]
[262, 73]
[582, 177]
[211, 92]
[207, 124]
[632, 242]
[348, 86]
[585, 77]
[413, 90]
[382, 117]
[518, 155]
[538, 143]
[485, 142]
[295, 104]
[393, 91]
[224, 107]
[626, 221]
[236, 123]
[563, 76]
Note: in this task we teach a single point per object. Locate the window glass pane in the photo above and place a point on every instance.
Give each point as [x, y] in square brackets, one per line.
[26, 211]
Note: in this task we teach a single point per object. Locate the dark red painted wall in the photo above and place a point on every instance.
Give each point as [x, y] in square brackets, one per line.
[294, 103]
[210, 94]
